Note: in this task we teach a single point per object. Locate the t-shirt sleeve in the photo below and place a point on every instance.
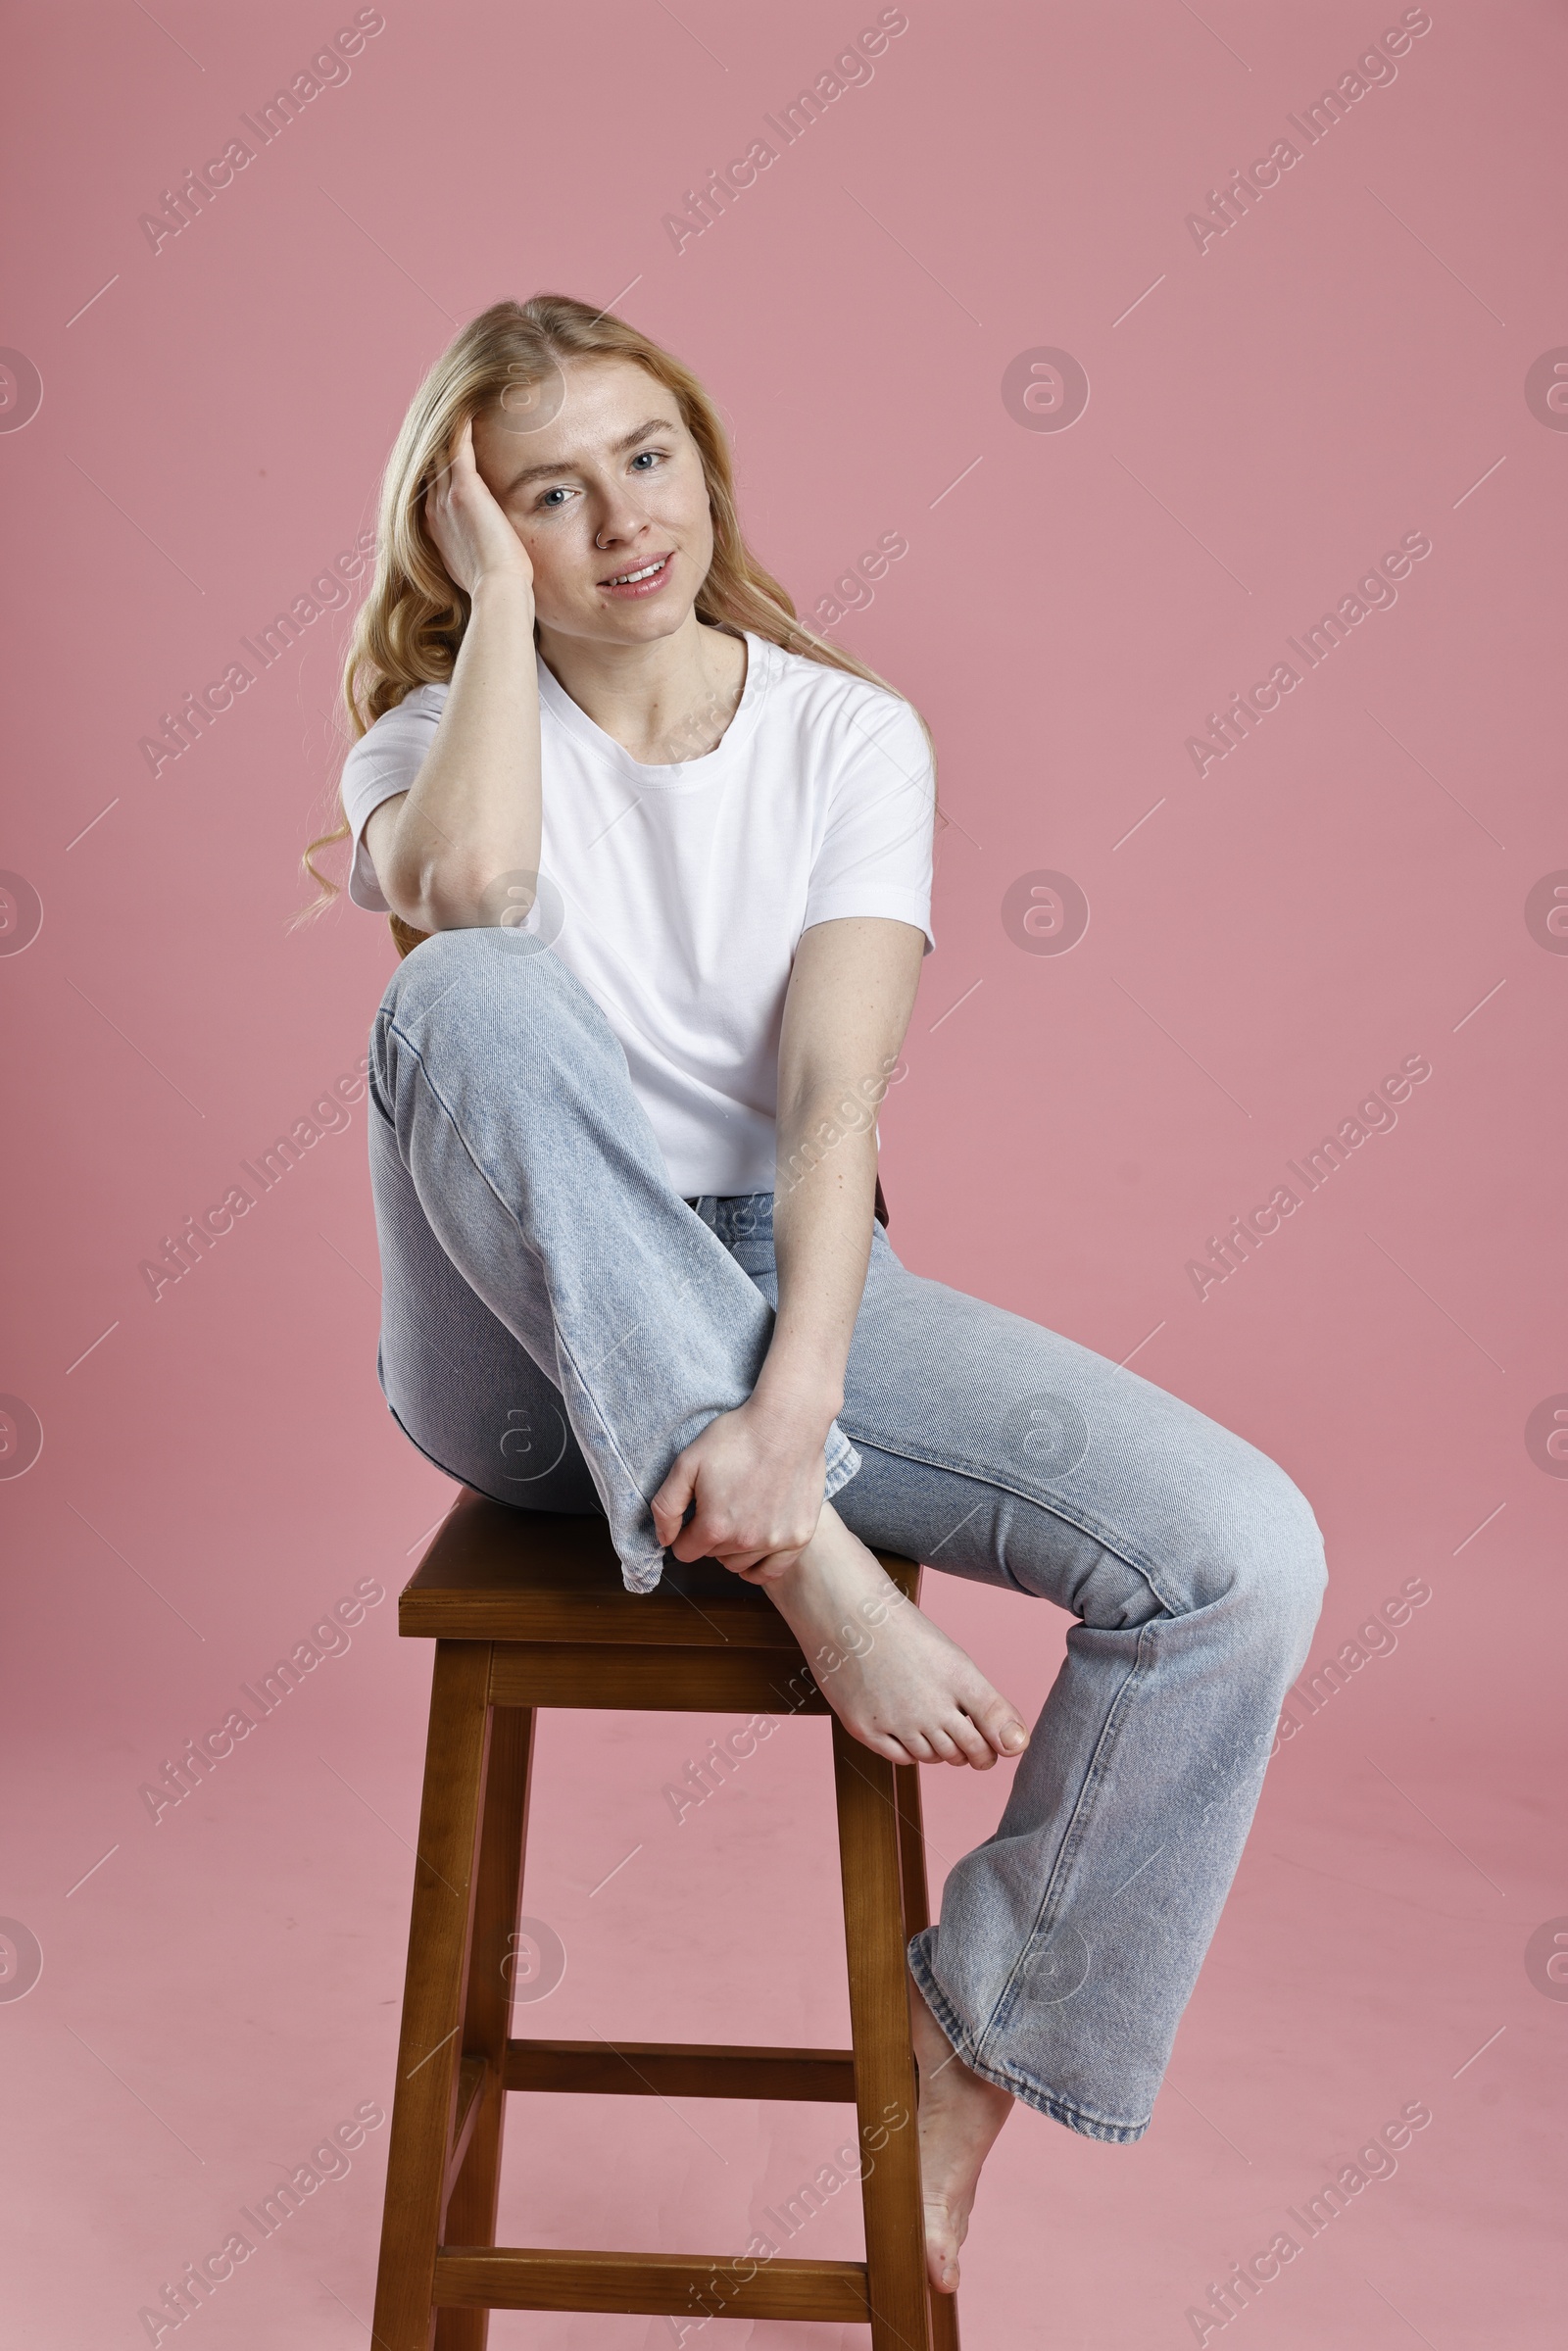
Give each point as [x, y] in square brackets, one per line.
[875, 850]
[385, 760]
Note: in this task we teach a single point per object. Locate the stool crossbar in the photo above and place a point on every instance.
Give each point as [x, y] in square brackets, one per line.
[528, 1609]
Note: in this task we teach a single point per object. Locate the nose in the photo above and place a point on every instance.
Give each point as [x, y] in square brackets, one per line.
[619, 519]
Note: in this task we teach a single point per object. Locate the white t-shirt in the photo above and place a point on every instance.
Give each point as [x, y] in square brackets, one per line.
[679, 894]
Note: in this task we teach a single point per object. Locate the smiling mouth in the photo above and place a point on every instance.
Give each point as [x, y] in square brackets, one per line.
[640, 577]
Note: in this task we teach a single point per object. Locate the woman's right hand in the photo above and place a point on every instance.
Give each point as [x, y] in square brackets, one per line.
[471, 533]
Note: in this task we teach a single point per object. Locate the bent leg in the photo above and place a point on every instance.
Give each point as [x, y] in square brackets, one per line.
[458, 1383]
[991, 1447]
[506, 1097]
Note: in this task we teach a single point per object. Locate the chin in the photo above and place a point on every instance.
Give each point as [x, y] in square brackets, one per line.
[642, 622]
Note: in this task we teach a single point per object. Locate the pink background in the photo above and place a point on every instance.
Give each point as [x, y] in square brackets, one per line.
[1349, 888]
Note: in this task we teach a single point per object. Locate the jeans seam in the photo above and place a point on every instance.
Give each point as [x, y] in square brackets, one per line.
[483, 1173]
[373, 1079]
[1073, 1835]
[956, 1467]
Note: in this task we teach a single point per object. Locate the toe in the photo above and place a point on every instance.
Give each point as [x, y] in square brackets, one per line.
[941, 2250]
[1001, 1728]
[974, 1746]
[918, 1746]
[884, 1743]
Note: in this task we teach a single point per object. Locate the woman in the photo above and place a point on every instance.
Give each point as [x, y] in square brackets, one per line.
[669, 854]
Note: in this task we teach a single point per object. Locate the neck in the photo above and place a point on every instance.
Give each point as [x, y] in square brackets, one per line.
[661, 700]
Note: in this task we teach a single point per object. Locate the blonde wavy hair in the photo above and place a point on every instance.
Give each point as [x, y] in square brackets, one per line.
[411, 624]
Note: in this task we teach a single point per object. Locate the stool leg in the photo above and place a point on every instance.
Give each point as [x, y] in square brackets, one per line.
[912, 1848]
[917, 1914]
[886, 2092]
[430, 2044]
[470, 2218]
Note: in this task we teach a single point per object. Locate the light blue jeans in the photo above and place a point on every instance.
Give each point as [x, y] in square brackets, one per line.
[558, 1323]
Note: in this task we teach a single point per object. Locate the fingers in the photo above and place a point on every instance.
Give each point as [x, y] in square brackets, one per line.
[687, 1539]
[710, 1533]
[458, 463]
[463, 460]
[669, 1505]
[767, 1567]
[751, 1565]
[692, 1543]
[439, 477]
[701, 1538]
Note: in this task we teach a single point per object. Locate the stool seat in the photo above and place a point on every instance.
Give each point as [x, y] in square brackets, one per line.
[564, 1583]
[529, 1609]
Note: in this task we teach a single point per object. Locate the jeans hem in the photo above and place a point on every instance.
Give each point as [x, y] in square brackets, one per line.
[843, 1462]
[1013, 2079]
[643, 1573]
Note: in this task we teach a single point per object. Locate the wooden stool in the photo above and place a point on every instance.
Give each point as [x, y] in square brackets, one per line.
[528, 1609]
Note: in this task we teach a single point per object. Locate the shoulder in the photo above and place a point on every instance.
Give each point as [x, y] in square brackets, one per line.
[414, 714]
[400, 735]
[839, 712]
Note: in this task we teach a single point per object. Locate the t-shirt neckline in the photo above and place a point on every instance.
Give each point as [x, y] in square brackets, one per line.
[684, 774]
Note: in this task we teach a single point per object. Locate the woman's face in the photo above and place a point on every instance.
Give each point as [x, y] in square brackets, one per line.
[610, 483]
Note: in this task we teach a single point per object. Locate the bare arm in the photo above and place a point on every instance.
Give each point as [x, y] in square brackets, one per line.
[757, 1474]
[472, 813]
[849, 998]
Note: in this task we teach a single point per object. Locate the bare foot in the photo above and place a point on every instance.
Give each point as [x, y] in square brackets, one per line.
[960, 2117]
[898, 1684]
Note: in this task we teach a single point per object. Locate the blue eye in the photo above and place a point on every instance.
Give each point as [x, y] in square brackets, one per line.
[557, 493]
[651, 455]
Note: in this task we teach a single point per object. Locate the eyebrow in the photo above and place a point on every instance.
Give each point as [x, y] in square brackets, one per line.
[569, 464]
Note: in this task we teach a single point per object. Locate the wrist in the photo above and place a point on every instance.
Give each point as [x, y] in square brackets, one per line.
[504, 587]
[800, 1404]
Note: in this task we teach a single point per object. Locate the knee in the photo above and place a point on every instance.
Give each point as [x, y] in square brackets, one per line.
[474, 982]
[1271, 1557]
[453, 959]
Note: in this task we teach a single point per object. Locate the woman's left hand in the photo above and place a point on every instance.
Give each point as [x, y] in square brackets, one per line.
[756, 1487]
